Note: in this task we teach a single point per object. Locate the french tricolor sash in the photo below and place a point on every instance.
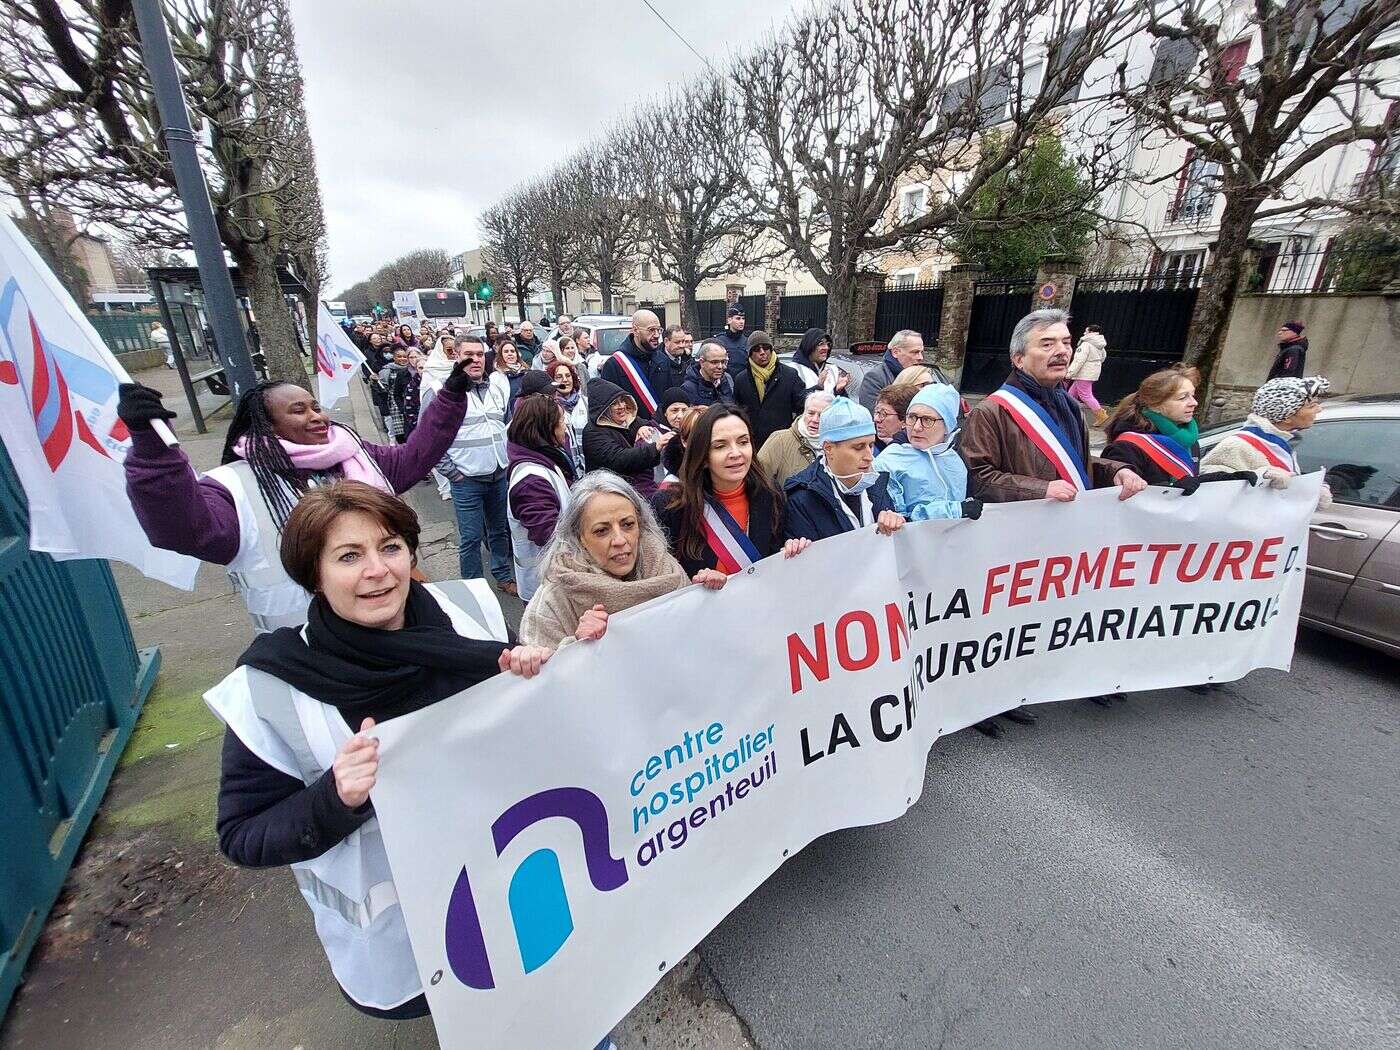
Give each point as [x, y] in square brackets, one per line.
[1162, 450]
[734, 551]
[1045, 434]
[1275, 449]
[639, 382]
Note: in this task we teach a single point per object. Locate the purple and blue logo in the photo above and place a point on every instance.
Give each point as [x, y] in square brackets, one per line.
[539, 904]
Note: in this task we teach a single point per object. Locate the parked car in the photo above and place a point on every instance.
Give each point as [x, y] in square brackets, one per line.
[1353, 579]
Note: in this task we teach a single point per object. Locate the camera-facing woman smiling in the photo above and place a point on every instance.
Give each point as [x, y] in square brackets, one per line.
[299, 759]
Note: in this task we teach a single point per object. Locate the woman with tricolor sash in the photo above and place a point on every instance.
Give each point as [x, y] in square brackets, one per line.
[1153, 430]
[723, 514]
[1264, 445]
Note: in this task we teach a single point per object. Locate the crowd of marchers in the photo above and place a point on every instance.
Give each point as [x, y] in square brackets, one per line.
[675, 465]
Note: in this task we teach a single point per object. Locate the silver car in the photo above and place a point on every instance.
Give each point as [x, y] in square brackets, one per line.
[1353, 581]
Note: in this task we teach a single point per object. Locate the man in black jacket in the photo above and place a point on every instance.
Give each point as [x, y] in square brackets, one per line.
[1292, 352]
[706, 381]
[734, 341]
[771, 392]
[670, 364]
[841, 491]
[639, 347]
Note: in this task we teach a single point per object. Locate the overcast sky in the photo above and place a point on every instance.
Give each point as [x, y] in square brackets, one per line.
[424, 112]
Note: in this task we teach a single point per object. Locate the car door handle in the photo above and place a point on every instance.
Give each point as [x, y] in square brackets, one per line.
[1339, 532]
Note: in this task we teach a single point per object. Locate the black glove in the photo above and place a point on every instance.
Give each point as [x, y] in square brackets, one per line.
[457, 380]
[138, 405]
[972, 509]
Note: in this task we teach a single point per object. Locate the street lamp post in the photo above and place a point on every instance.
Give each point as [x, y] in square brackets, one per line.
[220, 303]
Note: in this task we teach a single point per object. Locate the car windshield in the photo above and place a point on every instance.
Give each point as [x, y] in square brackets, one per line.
[607, 340]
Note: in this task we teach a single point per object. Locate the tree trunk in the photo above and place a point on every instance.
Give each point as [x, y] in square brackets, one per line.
[840, 305]
[1219, 287]
[690, 309]
[605, 288]
[556, 291]
[277, 337]
[522, 292]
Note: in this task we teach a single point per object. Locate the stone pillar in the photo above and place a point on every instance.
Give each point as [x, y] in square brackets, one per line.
[1055, 278]
[959, 286]
[868, 285]
[773, 305]
[732, 292]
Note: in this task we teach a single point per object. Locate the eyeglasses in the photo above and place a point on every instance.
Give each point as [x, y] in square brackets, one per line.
[884, 413]
[920, 422]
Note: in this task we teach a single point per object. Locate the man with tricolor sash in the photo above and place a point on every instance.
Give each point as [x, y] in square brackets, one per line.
[629, 367]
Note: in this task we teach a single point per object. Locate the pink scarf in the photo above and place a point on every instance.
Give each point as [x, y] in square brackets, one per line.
[342, 450]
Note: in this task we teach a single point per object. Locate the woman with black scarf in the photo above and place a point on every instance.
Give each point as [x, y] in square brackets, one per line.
[299, 754]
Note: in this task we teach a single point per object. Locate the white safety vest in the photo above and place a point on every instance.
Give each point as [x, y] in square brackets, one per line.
[479, 449]
[523, 550]
[349, 888]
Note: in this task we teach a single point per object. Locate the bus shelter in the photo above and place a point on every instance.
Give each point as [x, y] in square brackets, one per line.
[180, 297]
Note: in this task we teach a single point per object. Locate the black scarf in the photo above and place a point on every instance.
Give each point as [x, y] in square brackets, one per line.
[365, 672]
[1056, 402]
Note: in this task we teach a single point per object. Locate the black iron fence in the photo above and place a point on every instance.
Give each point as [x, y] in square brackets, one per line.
[801, 312]
[996, 307]
[754, 306]
[1143, 316]
[918, 307]
[709, 317]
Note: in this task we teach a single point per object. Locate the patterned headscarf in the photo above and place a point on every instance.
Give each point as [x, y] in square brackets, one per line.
[1279, 398]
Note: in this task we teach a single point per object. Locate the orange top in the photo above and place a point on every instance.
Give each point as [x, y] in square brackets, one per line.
[736, 502]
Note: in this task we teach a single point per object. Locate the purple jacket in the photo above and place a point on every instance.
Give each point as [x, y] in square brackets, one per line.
[534, 502]
[187, 514]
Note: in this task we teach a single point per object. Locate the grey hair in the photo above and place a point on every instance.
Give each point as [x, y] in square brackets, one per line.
[819, 392]
[1021, 334]
[903, 334]
[567, 540]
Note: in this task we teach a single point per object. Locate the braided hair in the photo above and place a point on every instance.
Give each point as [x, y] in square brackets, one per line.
[264, 454]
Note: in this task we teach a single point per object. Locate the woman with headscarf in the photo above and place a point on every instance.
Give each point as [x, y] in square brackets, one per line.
[723, 514]
[299, 753]
[1264, 445]
[607, 555]
[280, 445]
[810, 363]
[539, 473]
[1153, 429]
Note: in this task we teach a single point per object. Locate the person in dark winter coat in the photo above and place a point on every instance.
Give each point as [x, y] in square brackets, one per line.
[770, 391]
[1292, 352]
[638, 348]
[722, 486]
[706, 381]
[905, 349]
[1153, 429]
[841, 491]
[670, 363]
[617, 439]
[735, 340]
[527, 342]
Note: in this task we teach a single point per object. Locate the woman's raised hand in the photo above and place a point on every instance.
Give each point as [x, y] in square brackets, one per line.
[592, 625]
[710, 579]
[524, 660]
[356, 765]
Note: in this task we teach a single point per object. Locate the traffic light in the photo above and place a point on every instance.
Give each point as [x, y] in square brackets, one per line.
[484, 291]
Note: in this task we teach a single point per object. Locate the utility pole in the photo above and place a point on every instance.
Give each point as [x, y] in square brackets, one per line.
[220, 304]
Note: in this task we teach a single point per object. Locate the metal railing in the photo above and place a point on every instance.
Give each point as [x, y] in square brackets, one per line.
[1329, 271]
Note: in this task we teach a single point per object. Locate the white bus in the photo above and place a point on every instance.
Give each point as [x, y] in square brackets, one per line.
[437, 306]
[338, 311]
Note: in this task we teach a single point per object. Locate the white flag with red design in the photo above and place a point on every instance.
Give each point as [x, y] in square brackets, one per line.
[58, 422]
[337, 359]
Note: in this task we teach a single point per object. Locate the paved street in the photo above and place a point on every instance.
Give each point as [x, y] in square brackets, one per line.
[1182, 870]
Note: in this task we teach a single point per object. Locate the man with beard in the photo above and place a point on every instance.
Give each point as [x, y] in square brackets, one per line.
[629, 367]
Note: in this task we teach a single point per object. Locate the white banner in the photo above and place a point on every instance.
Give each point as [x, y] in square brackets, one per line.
[58, 421]
[337, 359]
[559, 843]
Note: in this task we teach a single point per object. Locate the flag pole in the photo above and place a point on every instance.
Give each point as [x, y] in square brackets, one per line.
[220, 303]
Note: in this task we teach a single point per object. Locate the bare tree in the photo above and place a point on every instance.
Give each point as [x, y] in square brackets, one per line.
[420, 268]
[73, 84]
[510, 251]
[556, 234]
[602, 194]
[1251, 132]
[694, 221]
[853, 101]
[358, 298]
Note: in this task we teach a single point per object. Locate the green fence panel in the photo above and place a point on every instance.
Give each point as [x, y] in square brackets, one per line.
[71, 687]
[124, 333]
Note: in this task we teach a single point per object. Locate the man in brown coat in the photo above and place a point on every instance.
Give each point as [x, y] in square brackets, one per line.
[1007, 463]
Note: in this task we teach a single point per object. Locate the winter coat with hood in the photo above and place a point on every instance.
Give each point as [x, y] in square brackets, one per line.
[703, 393]
[1087, 362]
[786, 453]
[814, 510]
[611, 446]
[782, 401]
[640, 358]
[932, 483]
[571, 586]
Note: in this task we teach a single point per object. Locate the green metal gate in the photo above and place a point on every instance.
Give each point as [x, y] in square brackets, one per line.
[71, 686]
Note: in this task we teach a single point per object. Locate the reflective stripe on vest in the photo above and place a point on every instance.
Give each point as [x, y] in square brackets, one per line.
[523, 550]
[349, 888]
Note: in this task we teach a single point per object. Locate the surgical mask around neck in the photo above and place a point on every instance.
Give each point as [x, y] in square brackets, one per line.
[944, 445]
[853, 488]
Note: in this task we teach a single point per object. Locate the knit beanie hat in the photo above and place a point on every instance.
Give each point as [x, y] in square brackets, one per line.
[1296, 327]
[845, 419]
[1279, 398]
[760, 338]
[673, 396]
[536, 381]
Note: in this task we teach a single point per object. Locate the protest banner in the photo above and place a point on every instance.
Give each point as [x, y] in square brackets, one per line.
[558, 843]
[337, 359]
[58, 422]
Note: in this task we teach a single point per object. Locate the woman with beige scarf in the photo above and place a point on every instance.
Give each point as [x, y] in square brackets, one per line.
[608, 554]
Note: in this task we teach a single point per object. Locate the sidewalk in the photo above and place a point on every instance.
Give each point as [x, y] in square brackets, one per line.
[157, 942]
